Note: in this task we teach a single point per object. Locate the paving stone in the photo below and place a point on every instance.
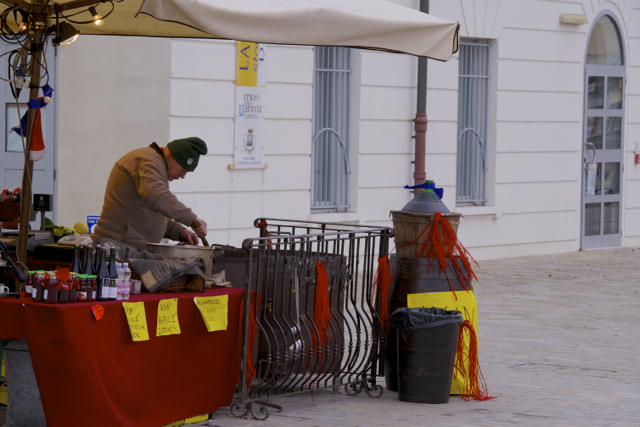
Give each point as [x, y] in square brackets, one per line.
[556, 350]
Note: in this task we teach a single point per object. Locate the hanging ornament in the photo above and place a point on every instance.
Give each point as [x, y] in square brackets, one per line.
[36, 147]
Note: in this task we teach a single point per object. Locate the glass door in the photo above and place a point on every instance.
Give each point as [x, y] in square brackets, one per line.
[603, 138]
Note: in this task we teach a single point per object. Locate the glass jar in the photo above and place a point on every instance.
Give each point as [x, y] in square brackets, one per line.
[82, 287]
[28, 285]
[51, 288]
[64, 289]
[37, 294]
[73, 293]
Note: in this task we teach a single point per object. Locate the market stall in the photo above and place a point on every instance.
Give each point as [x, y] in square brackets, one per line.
[90, 369]
[91, 366]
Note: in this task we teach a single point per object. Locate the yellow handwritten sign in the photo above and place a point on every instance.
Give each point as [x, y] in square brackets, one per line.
[168, 318]
[215, 312]
[137, 320]
[247, 64]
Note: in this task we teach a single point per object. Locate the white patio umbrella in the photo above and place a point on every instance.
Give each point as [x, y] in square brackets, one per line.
[370, 24]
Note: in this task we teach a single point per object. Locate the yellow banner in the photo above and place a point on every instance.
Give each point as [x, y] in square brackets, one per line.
[137, 320]
[465, 304]
[215, 312]
[247, 60]
[168, 318]
[191, 420]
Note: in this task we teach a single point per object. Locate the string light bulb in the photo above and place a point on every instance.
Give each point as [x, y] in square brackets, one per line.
[97, 19]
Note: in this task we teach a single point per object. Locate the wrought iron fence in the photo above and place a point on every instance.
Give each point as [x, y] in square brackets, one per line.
[292, 349]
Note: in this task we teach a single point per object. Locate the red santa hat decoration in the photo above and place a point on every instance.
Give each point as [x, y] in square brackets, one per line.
[36, 149]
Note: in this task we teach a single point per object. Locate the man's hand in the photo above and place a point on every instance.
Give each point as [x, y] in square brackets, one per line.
[188, 237]
[201, 229]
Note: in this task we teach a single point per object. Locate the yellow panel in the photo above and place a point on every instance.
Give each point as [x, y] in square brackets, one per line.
[466, 304]
[3, 393]
[192, 420]
[247, 64]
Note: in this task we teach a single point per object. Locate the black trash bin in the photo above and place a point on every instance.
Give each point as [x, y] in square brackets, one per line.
[426, 348]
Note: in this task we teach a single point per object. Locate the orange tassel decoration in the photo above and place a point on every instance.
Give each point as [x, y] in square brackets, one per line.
[442, 243]
[322, 308]
[477, 387]
[264, 224]
[251, 370]
[382, 282]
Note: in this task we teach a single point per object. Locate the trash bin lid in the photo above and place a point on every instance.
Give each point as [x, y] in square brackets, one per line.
[413, 319]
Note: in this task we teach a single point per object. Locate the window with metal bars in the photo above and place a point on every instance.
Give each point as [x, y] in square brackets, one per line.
[330, 143]
[473, 92]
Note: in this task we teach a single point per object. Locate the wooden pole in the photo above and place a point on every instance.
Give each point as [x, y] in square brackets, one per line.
[37, 44]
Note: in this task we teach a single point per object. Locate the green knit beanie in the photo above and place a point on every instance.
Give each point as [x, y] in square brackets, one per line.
[187, 151]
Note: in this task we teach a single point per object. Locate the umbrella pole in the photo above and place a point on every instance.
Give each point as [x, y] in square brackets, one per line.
[419, 174]
[25, 203]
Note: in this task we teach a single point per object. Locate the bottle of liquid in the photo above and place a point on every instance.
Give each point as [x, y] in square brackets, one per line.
[75, 265]
[87, 264]
[115, 293]
[120, 281]
[92, 287]
[127, 278]
[426, 202]
[126, 285]
[81, 262]
[96, 259]
[103, 277]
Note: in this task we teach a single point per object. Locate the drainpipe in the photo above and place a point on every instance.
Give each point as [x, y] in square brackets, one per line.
[419, 174]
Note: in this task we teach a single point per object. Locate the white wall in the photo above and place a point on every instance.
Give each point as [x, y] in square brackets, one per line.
[112, 98]
[202, 104]
[631, 215]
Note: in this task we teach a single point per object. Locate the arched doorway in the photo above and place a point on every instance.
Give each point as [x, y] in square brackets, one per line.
[603, 152]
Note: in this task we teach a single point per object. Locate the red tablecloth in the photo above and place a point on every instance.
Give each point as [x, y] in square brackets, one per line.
[91, 373]
[11, 318]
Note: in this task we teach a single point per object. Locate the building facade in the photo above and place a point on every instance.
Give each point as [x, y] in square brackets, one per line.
[515, 118]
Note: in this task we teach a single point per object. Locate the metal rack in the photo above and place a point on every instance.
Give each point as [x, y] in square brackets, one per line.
[287, 349]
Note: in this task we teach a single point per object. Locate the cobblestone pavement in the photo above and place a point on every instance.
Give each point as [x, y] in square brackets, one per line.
[559, 346]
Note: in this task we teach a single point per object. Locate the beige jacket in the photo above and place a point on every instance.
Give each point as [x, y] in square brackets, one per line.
[138, 206]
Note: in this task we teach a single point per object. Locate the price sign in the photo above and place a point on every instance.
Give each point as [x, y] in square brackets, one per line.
[168, 318]
[215, 312]
[137, 320]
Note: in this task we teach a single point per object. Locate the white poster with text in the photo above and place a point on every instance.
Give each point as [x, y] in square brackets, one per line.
[249, 143]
